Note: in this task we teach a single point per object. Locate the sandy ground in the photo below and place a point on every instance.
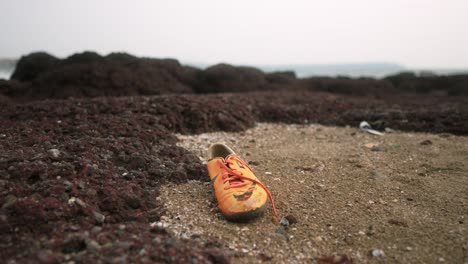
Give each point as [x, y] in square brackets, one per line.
[402, 197]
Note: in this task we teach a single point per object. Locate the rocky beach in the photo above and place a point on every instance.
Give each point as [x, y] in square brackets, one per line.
[96, 152]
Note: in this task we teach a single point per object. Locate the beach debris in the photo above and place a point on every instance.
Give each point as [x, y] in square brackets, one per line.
[364, 126]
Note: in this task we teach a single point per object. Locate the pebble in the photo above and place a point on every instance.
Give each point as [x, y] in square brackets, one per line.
[268, 173]
[284, 222]
[426, 142]
[377, 253]
[92, 245]
[9, 201]
[54, 153]
[100, 218]
[96, 229]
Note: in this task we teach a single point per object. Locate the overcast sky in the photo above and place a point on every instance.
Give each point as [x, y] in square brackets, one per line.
[415, 33]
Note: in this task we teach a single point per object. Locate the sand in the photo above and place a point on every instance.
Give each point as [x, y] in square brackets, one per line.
[402, 197]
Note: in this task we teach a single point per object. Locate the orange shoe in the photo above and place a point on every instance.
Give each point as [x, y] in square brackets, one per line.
[236, 187]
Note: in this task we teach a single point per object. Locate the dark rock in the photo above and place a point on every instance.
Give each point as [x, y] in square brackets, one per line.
[74, 245]
[32, 65]
[426, 142]
[84, 57]
[398, 222]
[335, 259]
[228, 78]
[291, 219]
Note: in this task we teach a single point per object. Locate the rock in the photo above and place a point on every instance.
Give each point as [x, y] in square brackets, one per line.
[85, 57]
[335, 259]
[397, 222]
[377, 253]
[291, 219]
[78, 201]
[92, 245]
[426, 142]
[100, 218]
[46, 257]
[228, 78]
[73, 245]
[54, 153]
[9, 201]
[32, 65]
[281, 231]
[378, 176]
[284, 222]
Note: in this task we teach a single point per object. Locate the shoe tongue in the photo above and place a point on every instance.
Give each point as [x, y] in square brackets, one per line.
[230, 156]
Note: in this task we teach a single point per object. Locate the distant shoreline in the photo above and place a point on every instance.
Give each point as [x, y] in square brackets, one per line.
[376, 70]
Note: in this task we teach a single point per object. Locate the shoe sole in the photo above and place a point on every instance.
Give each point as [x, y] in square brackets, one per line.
[246, 216]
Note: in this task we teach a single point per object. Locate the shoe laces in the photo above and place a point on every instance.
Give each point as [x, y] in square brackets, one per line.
[236, 179]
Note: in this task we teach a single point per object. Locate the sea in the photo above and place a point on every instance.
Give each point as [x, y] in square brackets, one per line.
[7, 66]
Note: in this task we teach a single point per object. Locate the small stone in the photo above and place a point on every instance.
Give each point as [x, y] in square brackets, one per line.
[46, 256]
[426, 142]
[408, 248]
[96, 229]
[441, 259]
[80, 202]
[92, 245]
[100, 218]
[292, 219]
[268, 173]
[9, 201]
[377, 253]
[361, 233]
[284, 222]
[281, 231]
[54, 153]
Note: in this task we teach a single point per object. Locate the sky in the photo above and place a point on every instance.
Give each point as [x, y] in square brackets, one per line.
[414, 33]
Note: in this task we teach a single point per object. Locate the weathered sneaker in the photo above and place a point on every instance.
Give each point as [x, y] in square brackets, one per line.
[241, 196]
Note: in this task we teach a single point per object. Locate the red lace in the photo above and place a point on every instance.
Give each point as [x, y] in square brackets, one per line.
[236, 179]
